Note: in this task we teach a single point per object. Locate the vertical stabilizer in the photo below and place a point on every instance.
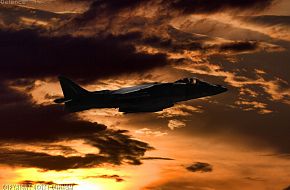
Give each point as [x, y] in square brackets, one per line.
[70, 90]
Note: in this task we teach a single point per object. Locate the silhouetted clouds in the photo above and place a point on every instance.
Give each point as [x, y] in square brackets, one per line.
[211, 6]
[24, 123]
[32, 54]
[65, 150]
[177, 41]
[117, 178]
[21, 158]
[124, 44]
[239, 46]
[113, 7]
[116, 148]
[269, 19]
[200, 167]
[12, 16]
[29, 183]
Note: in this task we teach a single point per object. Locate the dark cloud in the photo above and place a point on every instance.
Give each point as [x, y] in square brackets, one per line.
[156, 41]
[24, 123]
[31, 182]
[234, 47]
[168, 44]
[119, 146]
[11, 16]
[115, 177]
[239, 46]
[211, 6]
[268, 19]
[179, 41]
[217, 28]
[31, 54]
[287, 188]
[28, 54]
[200, 167]
[34, 54]
[63, 149]
[115, 148]
[179, 46]
[27, 83]
[37, 54]
[107, 7]
[45, 161]
[10, 97]
[113, 7]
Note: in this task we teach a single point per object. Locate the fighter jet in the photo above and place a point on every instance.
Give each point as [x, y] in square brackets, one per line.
[151, 97]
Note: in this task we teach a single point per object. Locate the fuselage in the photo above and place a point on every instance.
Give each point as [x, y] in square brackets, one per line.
[144, 98]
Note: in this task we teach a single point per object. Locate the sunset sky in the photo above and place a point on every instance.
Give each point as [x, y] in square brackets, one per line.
[232, 141]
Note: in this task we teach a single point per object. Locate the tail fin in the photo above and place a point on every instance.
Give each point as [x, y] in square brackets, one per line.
[70, 90]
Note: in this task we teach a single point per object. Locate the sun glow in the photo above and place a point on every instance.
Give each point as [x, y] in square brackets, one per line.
[89, 186]
[84, 179]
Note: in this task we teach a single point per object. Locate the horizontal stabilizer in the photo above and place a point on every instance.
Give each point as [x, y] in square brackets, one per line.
[62, 100]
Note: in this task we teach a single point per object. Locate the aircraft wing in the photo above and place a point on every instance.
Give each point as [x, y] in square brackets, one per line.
[133, 89]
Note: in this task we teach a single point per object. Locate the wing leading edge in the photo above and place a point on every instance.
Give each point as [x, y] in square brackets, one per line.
[134, 88]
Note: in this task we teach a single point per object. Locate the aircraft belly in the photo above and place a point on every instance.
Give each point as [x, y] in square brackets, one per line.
[145, 105]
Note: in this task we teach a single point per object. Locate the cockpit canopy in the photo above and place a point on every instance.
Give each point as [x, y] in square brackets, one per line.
[187, 81]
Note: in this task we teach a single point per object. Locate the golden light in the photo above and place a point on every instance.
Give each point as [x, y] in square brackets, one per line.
[89, 186]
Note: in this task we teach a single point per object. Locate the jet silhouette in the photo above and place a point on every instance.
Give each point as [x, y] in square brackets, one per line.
[151, 97]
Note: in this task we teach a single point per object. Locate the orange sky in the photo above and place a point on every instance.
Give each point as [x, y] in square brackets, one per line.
[241, 135]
